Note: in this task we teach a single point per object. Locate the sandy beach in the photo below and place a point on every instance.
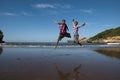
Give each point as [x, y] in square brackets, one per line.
[60, 64]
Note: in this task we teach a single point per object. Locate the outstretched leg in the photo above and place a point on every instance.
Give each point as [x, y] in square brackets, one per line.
[57, 43]
[76, 40]
[79, 43]
[59, 39]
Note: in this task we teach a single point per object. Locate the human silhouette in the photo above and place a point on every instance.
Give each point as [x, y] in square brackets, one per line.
[61, 74]
[63, 31]
[76, 73]
[75, 31]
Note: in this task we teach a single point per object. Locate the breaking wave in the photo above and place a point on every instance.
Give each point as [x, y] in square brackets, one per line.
[52, 45]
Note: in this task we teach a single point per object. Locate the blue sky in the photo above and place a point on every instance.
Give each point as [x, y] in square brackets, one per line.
[32, 20]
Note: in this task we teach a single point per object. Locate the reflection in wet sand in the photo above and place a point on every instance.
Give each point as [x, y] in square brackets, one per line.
[61, 74]
[1, 50]
[65, 76]
[77, 74]
[112, 52]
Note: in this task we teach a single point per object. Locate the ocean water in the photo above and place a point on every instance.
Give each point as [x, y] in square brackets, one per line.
[52, 45]
[63, 63]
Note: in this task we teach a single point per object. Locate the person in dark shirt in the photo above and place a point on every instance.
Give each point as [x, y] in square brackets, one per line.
[63, 31]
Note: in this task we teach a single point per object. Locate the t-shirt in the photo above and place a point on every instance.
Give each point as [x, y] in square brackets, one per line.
[63, 28]
[75, 30]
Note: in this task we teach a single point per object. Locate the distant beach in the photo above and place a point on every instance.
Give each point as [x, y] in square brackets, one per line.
[64, 63]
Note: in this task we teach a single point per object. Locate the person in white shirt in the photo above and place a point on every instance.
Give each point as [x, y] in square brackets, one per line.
[75, 31]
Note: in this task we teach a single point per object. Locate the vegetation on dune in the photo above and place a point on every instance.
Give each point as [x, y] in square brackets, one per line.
[107, 33]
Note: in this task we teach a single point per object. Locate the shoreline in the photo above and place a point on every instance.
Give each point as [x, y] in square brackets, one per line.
[49, 64]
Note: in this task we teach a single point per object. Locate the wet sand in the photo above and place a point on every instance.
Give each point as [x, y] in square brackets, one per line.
[59, 64]
[109, 51]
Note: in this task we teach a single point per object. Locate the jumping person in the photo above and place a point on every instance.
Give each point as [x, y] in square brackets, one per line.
[63, 31]
[75, 31]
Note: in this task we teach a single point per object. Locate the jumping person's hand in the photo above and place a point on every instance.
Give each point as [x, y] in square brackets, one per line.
[84, 24]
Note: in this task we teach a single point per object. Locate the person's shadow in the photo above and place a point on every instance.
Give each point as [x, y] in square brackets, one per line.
[61, 74]
[76, 74]
[1, 50]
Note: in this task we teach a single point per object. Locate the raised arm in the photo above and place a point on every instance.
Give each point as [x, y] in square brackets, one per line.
[83, 24]
[55, 21]
[73, 22]
[66, 27]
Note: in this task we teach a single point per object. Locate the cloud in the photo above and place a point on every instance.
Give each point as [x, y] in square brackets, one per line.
[44, 6]
[63, 6]
[106, 25]
[52, 6]
[8, 14]
[87, 10]
[26, 13]
[66, 6]
[13, 14]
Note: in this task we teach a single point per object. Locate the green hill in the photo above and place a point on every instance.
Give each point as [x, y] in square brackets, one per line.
[107, 33]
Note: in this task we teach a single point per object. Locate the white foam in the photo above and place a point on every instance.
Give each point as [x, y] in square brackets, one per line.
[59, 46]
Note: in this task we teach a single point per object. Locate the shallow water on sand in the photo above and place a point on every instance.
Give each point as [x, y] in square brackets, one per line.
[59, 64]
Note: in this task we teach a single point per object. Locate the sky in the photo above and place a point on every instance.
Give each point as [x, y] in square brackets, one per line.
[32, 20]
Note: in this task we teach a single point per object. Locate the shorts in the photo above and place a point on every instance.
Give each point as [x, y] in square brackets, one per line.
[64, 35]
[76, 38]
